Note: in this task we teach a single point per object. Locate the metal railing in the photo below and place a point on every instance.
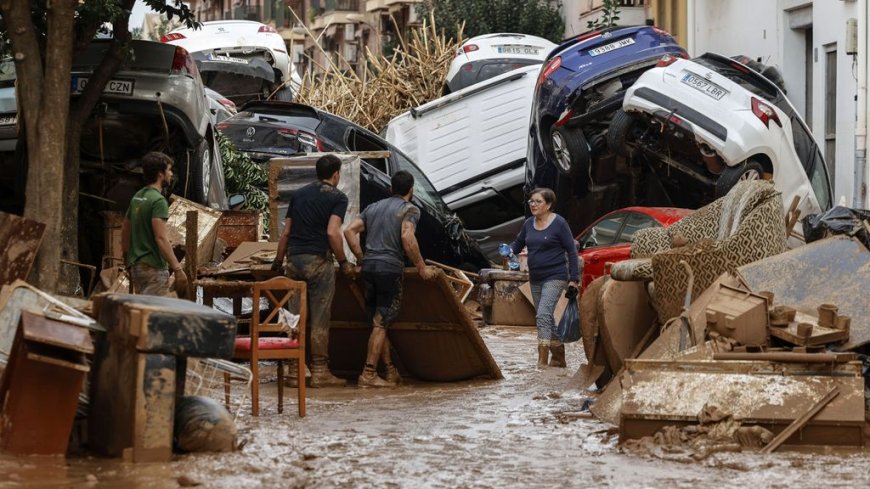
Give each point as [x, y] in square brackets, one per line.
[331, 5]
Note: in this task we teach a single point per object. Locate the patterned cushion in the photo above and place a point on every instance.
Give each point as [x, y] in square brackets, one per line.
[633, 269]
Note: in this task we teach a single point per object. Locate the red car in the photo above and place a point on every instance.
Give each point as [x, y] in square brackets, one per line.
[608, 240]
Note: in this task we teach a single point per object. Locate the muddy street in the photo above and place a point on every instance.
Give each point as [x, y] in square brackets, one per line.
[523, 431]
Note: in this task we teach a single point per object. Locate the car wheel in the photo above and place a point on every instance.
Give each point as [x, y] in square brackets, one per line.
[570, 149]
[748, 170]
[617, 135]
[200, 171]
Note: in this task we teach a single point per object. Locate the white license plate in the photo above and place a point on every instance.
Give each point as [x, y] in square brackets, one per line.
[114, 87]
[704, 85]
[8, 120]
[518, 49]
[628, 41]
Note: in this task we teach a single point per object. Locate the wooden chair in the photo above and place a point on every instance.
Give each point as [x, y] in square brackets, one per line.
[278, 291]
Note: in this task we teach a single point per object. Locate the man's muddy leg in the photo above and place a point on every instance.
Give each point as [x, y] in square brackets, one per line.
[377, 339]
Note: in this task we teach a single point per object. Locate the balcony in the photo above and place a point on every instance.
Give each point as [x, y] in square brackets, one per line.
[331, 12]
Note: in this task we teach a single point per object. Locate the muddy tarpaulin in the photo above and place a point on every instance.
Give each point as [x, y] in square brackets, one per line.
[769, 394]
[831, 271]
[433, 337]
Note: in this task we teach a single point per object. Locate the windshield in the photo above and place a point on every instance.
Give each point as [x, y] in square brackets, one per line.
[423, 188]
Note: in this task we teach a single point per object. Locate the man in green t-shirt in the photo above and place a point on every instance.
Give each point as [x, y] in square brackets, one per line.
[144, 239]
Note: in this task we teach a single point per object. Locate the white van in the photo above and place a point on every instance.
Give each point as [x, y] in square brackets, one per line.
[472, 146]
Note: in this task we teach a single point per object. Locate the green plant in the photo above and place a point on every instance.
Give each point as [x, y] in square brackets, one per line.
[541, 18]
[244, 177]
[609, 16]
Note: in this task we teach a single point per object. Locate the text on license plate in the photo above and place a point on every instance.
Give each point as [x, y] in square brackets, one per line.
[8, 120]
[115, 87]
[518, 49]
[628, 41]
[703, 85]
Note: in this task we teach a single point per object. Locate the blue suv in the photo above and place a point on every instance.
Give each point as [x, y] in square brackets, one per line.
[581, 85]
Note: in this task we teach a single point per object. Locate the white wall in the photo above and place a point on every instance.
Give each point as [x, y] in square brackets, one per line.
[760, 29]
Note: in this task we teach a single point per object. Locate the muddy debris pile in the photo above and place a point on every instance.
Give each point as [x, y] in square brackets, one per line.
[717, 315]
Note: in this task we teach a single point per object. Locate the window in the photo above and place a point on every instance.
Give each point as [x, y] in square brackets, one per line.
[831, 107]
[491, 70]
[635, 222]
[820, 183]
[423, 188]
[357, 141]
[502, 207]
[604, 232]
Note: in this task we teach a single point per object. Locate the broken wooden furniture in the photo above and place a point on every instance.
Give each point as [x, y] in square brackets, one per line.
[39, 390]
[139, 370]
[770, 394]
[433, 337]
[278, 292]
[237, 227]
[744, 226]
[835, 270]
[740, 315]
[460, 279]
[501, 299]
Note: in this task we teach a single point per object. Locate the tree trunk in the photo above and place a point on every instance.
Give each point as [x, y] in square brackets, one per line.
[44, 102]
[81, 110]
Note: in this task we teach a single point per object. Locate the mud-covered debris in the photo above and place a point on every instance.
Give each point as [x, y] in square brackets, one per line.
[186, 481]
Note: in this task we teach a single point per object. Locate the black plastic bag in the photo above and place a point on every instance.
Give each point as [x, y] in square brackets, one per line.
[838, 220]
[568, 330]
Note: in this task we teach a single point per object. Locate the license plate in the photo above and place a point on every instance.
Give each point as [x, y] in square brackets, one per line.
[628, 41]
[704, 85]
[518, 49]
[114, 87]
[8, 120]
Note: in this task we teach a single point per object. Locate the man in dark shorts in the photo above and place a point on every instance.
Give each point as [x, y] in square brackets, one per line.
[389, 225]
[311, 236]
[144, 237]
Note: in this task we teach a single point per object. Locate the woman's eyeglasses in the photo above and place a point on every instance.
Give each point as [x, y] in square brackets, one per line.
[535, 202]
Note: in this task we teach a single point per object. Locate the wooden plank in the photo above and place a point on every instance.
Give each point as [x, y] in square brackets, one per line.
[38, 328]
[207, 221]
[819, 336]
[248, 254]
[19, 243]
[191, 253]
[799, 423]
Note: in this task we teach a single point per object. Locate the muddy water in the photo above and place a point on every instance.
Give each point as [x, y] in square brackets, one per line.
[523, 431]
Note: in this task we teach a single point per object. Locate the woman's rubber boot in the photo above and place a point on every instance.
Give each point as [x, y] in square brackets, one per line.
[291, 378]
[393, 376]
[543, 353]
[558, 358]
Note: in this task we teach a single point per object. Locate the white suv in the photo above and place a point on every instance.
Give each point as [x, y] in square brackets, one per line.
[483, 57]
[716, 122]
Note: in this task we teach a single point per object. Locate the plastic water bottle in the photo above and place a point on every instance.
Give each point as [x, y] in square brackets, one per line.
[506, 251]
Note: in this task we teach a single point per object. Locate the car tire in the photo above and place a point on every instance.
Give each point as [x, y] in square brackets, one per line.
[748, 170]
[200, 171]
[571, 151]
[617, 135]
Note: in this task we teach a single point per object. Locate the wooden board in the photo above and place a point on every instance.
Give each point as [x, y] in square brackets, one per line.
[237, 227]
[835, 270]
[769, 394]
[207, 222]
[820, 335]
[36, 327]
[435, 339]
[19, 243]
[245, 255]
[165, 325]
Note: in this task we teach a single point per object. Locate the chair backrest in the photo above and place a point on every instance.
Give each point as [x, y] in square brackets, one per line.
[278, 292]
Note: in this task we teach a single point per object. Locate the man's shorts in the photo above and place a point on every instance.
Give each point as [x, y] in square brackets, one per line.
[383, 291]
[147, 280]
